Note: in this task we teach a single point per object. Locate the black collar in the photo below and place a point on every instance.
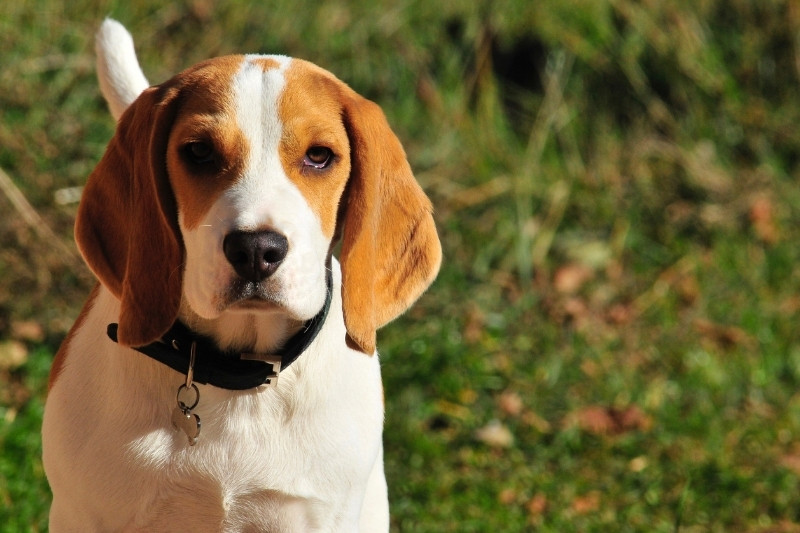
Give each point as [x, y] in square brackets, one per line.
[229, 370]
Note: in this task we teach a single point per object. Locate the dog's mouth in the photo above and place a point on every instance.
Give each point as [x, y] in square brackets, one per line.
[253, 304]
[249, 295]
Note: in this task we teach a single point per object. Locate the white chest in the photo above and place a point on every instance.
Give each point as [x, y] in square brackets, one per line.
[297, 457]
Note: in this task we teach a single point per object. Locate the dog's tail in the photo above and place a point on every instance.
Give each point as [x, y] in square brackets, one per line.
[121, 78]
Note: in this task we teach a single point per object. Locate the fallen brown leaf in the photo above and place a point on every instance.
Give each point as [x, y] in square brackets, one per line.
[507, 496]
[510, 403]
[474, 325]
[762, 217]
[726, 337]
[600, 420]
[619, 314]
[537, 505]
[784, 526]
[791, 461]
[587, 503]
[13, 354]
[595, 419]
[569, 279]
[27, 330]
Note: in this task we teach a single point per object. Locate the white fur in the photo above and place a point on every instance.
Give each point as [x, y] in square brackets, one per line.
[121, 77]
[303, 456]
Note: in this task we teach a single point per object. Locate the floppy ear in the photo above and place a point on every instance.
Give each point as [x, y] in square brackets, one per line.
[390, 249]
[126, 227]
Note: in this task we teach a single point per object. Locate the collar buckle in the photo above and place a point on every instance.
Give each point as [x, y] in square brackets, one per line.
[275, 360]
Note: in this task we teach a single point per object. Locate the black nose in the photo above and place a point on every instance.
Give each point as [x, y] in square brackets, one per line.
[255, 255]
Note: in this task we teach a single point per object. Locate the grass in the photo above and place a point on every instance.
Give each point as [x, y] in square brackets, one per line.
[612, 342]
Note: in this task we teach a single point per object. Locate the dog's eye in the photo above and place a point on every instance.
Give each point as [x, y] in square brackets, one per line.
[318, 157]
[199, 152]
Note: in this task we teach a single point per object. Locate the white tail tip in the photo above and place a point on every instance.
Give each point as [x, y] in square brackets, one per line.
[121, 78]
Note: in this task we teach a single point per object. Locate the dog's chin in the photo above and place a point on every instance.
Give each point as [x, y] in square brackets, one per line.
[239, 296]
[249, 296]
[253, 305]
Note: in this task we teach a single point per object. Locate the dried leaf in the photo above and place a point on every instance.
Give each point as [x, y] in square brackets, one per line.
[791, 461]
[784, 526]
[569, 279]
[620, 314]
[726, 337]
[600, 420]
[576, 312]
[591, 368]
[507, 496]
[496, 435]
[203, 10]
[27, 330]
[632, 418]
[637, 464]
[594, 419]
[688, 289]
[537, 505]
[474, 325]
[587, 503]
[510, 403]
[763, 220]
[13, 354]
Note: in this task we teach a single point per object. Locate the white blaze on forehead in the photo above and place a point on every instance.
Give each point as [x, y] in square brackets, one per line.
[257, 90]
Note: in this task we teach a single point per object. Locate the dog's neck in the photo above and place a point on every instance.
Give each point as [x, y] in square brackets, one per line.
[262, 332]
[234, 359]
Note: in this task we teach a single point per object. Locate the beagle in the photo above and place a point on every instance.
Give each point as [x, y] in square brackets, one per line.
[222, 375]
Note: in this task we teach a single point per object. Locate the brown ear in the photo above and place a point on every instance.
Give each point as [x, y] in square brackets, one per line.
[126, 227]
[390, 249]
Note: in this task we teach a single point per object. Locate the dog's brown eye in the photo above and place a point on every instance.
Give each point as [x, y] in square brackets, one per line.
[318, 157]
[199, 152]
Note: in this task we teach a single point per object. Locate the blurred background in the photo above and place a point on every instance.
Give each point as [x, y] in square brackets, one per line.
[612, 343]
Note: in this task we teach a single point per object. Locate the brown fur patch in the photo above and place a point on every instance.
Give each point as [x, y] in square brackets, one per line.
[310, 111]
[126, 225]
[267, 63]
[390, 250]
[207, 114]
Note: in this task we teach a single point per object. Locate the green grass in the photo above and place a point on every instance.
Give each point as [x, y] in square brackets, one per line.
[616, 192]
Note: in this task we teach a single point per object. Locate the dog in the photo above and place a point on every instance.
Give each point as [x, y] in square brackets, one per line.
[223, 375]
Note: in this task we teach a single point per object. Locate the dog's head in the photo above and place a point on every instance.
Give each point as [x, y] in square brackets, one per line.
[226, 188]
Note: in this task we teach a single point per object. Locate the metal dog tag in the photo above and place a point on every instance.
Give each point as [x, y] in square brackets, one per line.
[187, 422]
[182, 416]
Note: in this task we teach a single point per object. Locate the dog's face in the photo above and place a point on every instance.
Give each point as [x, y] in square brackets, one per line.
[257, 179]
[226, 187]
